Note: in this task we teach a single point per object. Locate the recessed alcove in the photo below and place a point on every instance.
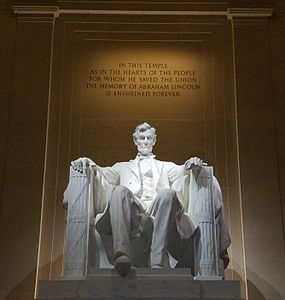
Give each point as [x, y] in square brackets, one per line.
[109, 75]
[232, 116]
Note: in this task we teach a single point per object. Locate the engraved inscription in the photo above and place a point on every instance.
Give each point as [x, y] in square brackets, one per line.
[144, 79]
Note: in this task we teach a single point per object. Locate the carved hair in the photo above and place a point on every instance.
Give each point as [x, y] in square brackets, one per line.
[142, 128]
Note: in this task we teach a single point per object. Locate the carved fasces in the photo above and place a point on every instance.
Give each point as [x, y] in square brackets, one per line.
[206, 209]
[86, 195]
[76, 200]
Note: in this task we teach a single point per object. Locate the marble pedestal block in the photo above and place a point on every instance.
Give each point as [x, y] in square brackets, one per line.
[139, 284]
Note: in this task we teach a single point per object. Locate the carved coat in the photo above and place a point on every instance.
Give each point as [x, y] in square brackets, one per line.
[190, 190]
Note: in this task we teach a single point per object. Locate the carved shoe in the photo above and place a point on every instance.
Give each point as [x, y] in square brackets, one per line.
[122, 265]
[156, 266]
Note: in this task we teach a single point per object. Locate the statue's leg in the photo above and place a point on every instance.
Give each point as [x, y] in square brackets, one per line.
[142, 241]
[182, 250]
[120, 211]
[164, 212]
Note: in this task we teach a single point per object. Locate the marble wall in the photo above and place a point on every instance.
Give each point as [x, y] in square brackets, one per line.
[48, 117]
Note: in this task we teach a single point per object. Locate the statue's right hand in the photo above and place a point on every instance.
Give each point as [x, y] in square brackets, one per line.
[81, 164]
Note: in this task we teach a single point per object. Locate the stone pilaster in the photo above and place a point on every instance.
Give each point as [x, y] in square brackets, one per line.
[23, 179]
[261, 212]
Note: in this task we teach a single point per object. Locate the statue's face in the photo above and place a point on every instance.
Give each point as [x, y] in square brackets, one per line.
[145, 142]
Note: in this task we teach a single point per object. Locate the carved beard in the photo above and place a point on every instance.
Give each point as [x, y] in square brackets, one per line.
[145, 150]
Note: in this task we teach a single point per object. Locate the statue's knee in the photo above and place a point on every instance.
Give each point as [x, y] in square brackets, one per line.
[120, 193]
[167, 196]
[121, 190]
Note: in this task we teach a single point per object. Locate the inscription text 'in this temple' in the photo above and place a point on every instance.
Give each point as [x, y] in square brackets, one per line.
[143, 79]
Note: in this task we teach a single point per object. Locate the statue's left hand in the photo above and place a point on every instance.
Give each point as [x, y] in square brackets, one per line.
[81, 164]
[194, 163]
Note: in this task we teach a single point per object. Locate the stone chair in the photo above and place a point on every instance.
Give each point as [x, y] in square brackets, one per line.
[85, 249]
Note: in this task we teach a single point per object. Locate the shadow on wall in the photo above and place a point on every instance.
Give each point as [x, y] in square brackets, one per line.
[24, 290]
[255, 294]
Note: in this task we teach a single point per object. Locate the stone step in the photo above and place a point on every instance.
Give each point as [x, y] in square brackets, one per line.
[136, 298]
[139, 284]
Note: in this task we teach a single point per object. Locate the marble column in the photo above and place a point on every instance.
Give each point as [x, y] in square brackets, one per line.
[23, 174]
[259, 179]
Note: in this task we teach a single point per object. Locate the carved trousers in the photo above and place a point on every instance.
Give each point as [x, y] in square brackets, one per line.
[129, 222]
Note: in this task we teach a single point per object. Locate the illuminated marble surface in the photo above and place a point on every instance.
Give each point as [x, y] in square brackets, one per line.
[139, 284]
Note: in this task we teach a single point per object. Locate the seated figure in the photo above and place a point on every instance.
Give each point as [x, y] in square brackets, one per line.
[151, 209]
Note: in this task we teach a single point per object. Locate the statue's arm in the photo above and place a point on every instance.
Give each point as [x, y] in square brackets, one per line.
[103, 180]
[110, 174]
[176, 172]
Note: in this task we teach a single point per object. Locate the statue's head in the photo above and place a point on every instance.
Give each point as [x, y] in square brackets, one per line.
[144, 138]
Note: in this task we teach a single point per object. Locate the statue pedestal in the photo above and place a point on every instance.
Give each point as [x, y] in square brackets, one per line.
[139, 284]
